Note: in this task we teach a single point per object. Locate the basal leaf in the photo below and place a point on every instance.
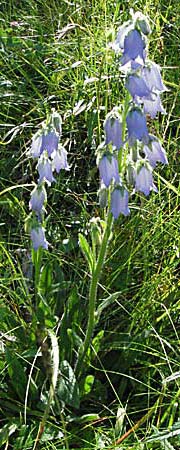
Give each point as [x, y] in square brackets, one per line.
[68, 390]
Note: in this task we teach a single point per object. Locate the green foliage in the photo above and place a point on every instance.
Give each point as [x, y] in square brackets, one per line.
[86, 251]
[68, 391]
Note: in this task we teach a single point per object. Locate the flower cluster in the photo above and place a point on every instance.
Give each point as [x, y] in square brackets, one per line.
[51, 157]
[129, 153]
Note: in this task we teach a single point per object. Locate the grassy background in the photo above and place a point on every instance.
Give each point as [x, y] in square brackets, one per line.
[56, 54]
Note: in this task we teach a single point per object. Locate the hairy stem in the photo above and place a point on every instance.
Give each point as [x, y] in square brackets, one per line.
[93, 294]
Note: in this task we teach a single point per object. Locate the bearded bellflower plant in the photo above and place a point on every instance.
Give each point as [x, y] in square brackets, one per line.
[127, 156]
[51, 157]
[125, 159]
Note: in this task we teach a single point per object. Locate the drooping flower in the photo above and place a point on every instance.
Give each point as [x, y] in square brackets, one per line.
[152, 107]
[44, 167]
[108, 168]
[144, 179]
[139, 21]
[124, 29]
[38, 198]
[59, 159]
[119, 202]
[50, 142]
[36, 146]
[44, 141]
[113, 130]
[155, 152]
[133, 49]
[137, 126]
[38, 238]
[137, 86]
[152, 77]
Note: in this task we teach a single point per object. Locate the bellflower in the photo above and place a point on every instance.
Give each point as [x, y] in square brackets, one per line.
[50, 142]
[137, 127]
[38, 238]
[137, 86]
[44, 142]
[113, 130]
[124, 29]
[155, 152]
[133, 49]
[119, 202]
[152, 107]
[108, 168]
[44, 167]
[144, 180]
[152, 77]
[36, 146]
[59, 159]
[38, 197]
[138, 20]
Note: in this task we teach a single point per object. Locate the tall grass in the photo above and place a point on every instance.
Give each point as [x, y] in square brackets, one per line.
[57, 54]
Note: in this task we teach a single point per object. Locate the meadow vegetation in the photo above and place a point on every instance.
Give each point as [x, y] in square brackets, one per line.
[56, 54]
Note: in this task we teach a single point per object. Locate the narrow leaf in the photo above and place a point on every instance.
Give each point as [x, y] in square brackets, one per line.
[85, 247]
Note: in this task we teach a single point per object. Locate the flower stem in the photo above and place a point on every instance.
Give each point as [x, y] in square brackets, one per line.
[36, 259]
[93, 294]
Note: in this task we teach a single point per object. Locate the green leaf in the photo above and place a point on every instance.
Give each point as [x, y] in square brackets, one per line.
[75, 339]
[165, 434]
[88, 384]
[94, 349]
[70, 320]
[96, 342]
[45, 282]
[105, 303]
[6, 431]
[85, 418]
[16, 373]
[85, 247]
[68, 390]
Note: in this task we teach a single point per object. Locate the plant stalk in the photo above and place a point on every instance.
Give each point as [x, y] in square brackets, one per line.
[93, 294]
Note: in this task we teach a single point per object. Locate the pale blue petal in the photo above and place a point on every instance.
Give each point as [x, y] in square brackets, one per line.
[108, 170]
[152, 77]
[152, 107]
[133, 47]
[50, 142]
[144, 181]
[137, 86]
[59, 159]
[113, 130]
[119, 202]
[38, 238]
[44, 167]
[155, 152]
[137, 127]
[38, 197]
[36, 146]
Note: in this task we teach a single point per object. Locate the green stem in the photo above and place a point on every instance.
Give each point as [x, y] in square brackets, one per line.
[124, 114]
[93, 294]
[36, 259]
